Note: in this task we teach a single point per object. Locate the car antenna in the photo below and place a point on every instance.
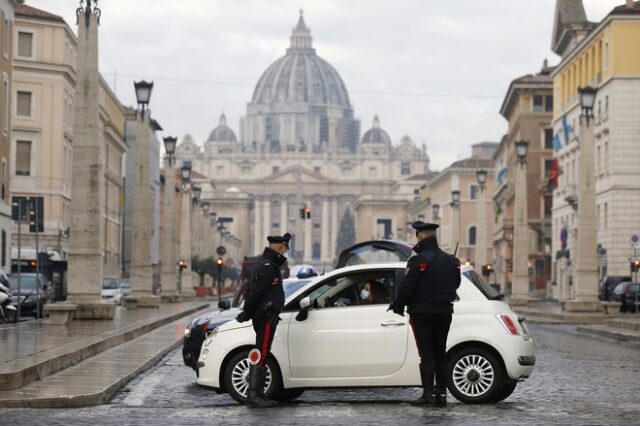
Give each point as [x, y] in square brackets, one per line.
[456, 250]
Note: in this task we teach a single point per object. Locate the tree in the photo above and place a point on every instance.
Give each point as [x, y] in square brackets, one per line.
[347, 232]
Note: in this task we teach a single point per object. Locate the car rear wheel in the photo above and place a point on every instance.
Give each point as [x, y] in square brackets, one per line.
[476, 376]
[236, 377]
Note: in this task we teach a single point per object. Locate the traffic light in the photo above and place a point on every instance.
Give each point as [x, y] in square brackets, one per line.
[307, 212]
[36, 214]
[487, 269]
[634, 265]
[219, 261]
[301, 213]
[182, 264]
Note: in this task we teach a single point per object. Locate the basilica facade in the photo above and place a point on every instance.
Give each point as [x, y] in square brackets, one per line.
[300, 147]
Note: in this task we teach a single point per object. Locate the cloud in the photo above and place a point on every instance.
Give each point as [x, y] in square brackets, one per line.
[436, 70]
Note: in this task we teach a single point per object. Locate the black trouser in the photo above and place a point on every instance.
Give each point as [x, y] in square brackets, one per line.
[430, 332]
[265, 329]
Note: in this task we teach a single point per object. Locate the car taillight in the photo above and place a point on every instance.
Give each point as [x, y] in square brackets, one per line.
[508, 324]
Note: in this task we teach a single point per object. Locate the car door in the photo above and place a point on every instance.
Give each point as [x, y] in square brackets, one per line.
[343, 337]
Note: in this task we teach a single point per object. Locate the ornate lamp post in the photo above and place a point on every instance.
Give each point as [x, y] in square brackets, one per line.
[520, 277]
[169, 257]
[141, 262]
[185, 286]
[586, 273]
[481, 222]
[455, 218]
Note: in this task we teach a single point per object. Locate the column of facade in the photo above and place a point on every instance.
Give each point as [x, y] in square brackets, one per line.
[266, 219]
[258, 243]
[88, 181]
[520, 276]
[334, 227]
[586, 269]
[168, 249]
[284, 215]
[325, 252]
[141, 271]
[308, 242]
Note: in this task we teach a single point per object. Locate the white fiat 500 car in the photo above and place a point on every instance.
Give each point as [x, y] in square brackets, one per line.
[328, 337]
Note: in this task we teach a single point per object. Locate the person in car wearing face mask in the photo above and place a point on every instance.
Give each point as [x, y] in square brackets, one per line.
[373, 293]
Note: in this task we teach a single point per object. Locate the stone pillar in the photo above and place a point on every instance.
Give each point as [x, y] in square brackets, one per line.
[141, 263]
[325, 253]
[266, 219]
[334, 227]
[481, 230]
[284, 215]
[520, 276]
[308, 250]
[186, 283]
[586, 268]
[168, 250]
[257, 234]
[88, 180]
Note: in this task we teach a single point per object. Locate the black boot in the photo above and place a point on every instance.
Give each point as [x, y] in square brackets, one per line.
[442, 373]
[255, 395]
[426, 375]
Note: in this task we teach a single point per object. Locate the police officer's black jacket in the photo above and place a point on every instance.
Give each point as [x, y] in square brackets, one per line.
[266, 286]
[431, 280]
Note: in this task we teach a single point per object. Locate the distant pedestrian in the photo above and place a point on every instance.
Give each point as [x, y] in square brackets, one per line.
[428, 290]
[264, 301]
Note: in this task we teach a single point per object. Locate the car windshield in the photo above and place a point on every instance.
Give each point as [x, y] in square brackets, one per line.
[109, 283]
[27, 282]
[372, 253]
[125, 284]
[481, 284]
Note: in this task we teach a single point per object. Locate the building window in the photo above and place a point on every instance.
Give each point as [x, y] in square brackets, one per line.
[606, 215]
[606, 108]
[220, 170]
[6, 42]
[605, 167]
[5, 103]
[548, 138]
[472, 236]
[23, 104]
[316, 170]
[347, 171]
[547, 205]
[606, 55]
[25, 44]
[416, 191]
[473, 192]
[537, 103]
[373, 171]
[548, 104]
[3, 178]
[405, 169]
[3, 254]
[316, 251]
[23, 158]
[547, 167]
[275, 170]
[245, 170]
[383, 228]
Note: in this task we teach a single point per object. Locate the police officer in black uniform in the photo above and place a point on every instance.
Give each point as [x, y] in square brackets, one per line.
[262, 305]
[428, 290]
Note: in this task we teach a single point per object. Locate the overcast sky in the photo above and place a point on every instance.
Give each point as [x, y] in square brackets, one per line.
[436, 70]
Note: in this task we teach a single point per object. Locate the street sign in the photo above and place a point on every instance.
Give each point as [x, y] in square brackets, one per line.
[221, 251]
[229, 261]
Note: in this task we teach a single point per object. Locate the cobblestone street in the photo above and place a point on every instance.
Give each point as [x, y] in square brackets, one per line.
[579, 379]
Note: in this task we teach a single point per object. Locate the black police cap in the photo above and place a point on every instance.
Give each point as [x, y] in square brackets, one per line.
[421, 226]
[276, 239]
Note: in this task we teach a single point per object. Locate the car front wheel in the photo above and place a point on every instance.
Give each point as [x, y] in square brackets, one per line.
[236, 377]
[476, 376]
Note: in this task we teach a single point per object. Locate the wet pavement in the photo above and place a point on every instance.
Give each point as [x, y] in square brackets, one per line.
[579, 379]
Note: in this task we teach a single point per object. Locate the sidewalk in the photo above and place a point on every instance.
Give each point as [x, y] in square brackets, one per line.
[618, 325]
[35, 350]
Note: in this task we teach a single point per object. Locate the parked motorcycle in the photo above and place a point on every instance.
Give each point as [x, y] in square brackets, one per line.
[8, 312]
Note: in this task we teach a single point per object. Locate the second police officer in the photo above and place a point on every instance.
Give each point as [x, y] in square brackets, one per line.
[262, 305]
[428, 290]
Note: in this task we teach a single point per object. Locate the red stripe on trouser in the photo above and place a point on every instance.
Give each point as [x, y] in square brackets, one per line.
[413, 328]
[265, 343]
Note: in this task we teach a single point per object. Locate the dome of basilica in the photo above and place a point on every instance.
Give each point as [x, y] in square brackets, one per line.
[301, 76]
[222, 133]
[376, 134]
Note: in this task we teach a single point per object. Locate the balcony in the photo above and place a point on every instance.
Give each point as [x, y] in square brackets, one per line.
[571, 196]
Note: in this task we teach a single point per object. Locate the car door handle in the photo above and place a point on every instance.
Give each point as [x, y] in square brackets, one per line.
[392, 323]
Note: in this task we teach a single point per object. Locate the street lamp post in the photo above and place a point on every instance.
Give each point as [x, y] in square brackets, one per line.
[169, 257]
[186, 287]
[481, 219]
[141, 269]
[435, 210]
[455, 219]
[586, 274]
[520, 276]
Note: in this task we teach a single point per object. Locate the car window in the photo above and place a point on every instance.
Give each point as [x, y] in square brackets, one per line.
[289, 287]
[27, 282]
[620, 288]
[109, 283]
[372, 254]
[633, 288]
[347, 290]
[488, 291]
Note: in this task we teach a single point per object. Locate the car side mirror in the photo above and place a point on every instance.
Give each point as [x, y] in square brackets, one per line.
[305, 305]
[224, 304]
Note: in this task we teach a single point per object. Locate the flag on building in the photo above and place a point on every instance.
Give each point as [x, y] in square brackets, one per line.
[566, 129]
[553, 175]
[502, 173]
[557, 143]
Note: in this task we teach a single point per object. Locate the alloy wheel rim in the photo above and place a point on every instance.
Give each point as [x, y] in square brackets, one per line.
[240, 377]
[473, 375]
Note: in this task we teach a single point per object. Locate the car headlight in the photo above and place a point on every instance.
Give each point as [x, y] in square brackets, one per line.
[187, 332]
